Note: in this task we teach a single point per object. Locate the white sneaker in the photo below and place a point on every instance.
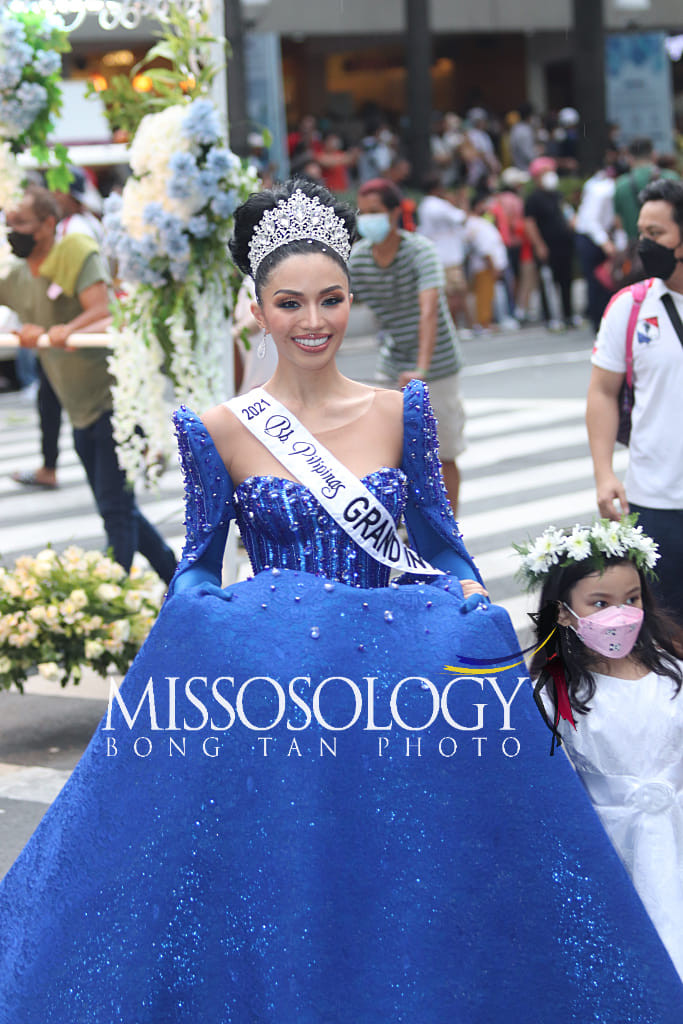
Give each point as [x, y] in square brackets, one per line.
[30, 392]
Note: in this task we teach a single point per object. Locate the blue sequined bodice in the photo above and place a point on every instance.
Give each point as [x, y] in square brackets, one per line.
[283, 526]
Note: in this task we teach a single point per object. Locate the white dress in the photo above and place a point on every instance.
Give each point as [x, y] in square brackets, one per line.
[628, 751]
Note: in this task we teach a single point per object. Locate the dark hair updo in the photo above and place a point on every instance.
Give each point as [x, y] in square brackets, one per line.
[249, 214]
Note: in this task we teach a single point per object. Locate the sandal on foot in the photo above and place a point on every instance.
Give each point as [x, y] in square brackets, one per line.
[29, 479]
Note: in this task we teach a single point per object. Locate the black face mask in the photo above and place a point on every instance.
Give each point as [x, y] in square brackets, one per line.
[658, 260]
[21, 244]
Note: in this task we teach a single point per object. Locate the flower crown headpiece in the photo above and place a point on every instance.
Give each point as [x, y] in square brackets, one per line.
[604, 539]
[296, 219]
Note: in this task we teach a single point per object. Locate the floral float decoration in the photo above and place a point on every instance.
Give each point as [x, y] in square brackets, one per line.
[62, 612]
[31, 45]
[168, 233]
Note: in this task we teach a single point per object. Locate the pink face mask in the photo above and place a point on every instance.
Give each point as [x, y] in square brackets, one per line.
[612, 631]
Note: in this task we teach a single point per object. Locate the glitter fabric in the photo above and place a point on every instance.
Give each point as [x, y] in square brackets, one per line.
[296, 815]
[283, 526]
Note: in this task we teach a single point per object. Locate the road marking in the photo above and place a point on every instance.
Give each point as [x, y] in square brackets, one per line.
[33, 784]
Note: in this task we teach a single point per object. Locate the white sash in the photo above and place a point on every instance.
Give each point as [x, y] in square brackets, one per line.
[343, 495]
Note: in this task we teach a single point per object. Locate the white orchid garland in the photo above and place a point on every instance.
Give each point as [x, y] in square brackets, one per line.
[606, 538]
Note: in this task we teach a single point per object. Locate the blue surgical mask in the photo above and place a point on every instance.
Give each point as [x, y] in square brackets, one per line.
[373, 226]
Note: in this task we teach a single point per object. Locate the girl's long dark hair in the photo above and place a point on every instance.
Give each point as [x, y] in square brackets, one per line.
[658, 647]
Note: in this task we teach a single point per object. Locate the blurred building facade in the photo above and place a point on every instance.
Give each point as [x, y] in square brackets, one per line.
[340, 57]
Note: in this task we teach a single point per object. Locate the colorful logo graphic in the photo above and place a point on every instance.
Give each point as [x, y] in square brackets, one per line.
[648, 330]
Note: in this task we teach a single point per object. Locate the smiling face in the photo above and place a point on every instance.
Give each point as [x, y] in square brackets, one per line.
[304, 306]
[618, 585]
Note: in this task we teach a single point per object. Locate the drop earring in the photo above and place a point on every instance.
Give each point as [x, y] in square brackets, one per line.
[261, 350]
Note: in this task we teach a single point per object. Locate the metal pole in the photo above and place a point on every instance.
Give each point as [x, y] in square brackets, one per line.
[237, 89]
[589, 81]
[419, 85]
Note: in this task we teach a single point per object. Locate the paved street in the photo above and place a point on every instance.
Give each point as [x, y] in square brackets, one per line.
[527, 465]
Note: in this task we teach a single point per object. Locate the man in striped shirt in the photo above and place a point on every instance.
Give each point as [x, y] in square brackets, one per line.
[399, 275]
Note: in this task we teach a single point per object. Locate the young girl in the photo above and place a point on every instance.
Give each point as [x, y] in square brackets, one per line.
[608, 683]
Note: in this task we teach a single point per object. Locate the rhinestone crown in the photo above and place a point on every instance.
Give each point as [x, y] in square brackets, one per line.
[297, 218]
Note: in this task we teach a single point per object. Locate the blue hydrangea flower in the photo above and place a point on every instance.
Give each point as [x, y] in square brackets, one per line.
[32, 97]
[183, 180]
[11, 31]
[172, 232]
[201, 123]
[153, 214]
[224, 204]
[182, 163]
[199, 226]
[10, 74]
[221, 161]
[47, 62]
[208, 184]
[149, 248]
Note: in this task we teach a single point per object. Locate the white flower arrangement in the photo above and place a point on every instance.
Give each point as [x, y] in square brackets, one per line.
[168, 233]
[606, 538]
[61, 612]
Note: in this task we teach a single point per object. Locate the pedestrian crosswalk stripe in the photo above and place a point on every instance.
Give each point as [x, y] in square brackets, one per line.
[536, 477]
[537, 415]
[505, 446]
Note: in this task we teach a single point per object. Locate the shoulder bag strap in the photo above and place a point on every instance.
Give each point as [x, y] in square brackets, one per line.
[670, 307]
[638, 292]
[352, 506]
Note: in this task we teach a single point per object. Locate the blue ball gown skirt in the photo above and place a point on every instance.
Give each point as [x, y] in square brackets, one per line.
[293, 812]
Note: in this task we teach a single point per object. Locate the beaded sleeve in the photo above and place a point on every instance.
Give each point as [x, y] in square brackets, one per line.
[208, 498]
[430, 522]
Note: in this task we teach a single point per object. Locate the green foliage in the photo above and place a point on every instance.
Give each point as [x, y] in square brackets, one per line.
[185, 45]
[122, 106]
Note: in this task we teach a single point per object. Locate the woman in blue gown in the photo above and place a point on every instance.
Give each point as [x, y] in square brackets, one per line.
[292, 811]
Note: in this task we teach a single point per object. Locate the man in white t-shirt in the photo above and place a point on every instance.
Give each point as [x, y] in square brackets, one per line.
[443, 223]
[654, 479]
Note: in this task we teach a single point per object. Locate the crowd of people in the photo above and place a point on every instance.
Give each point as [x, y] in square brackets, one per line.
[525, 225]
